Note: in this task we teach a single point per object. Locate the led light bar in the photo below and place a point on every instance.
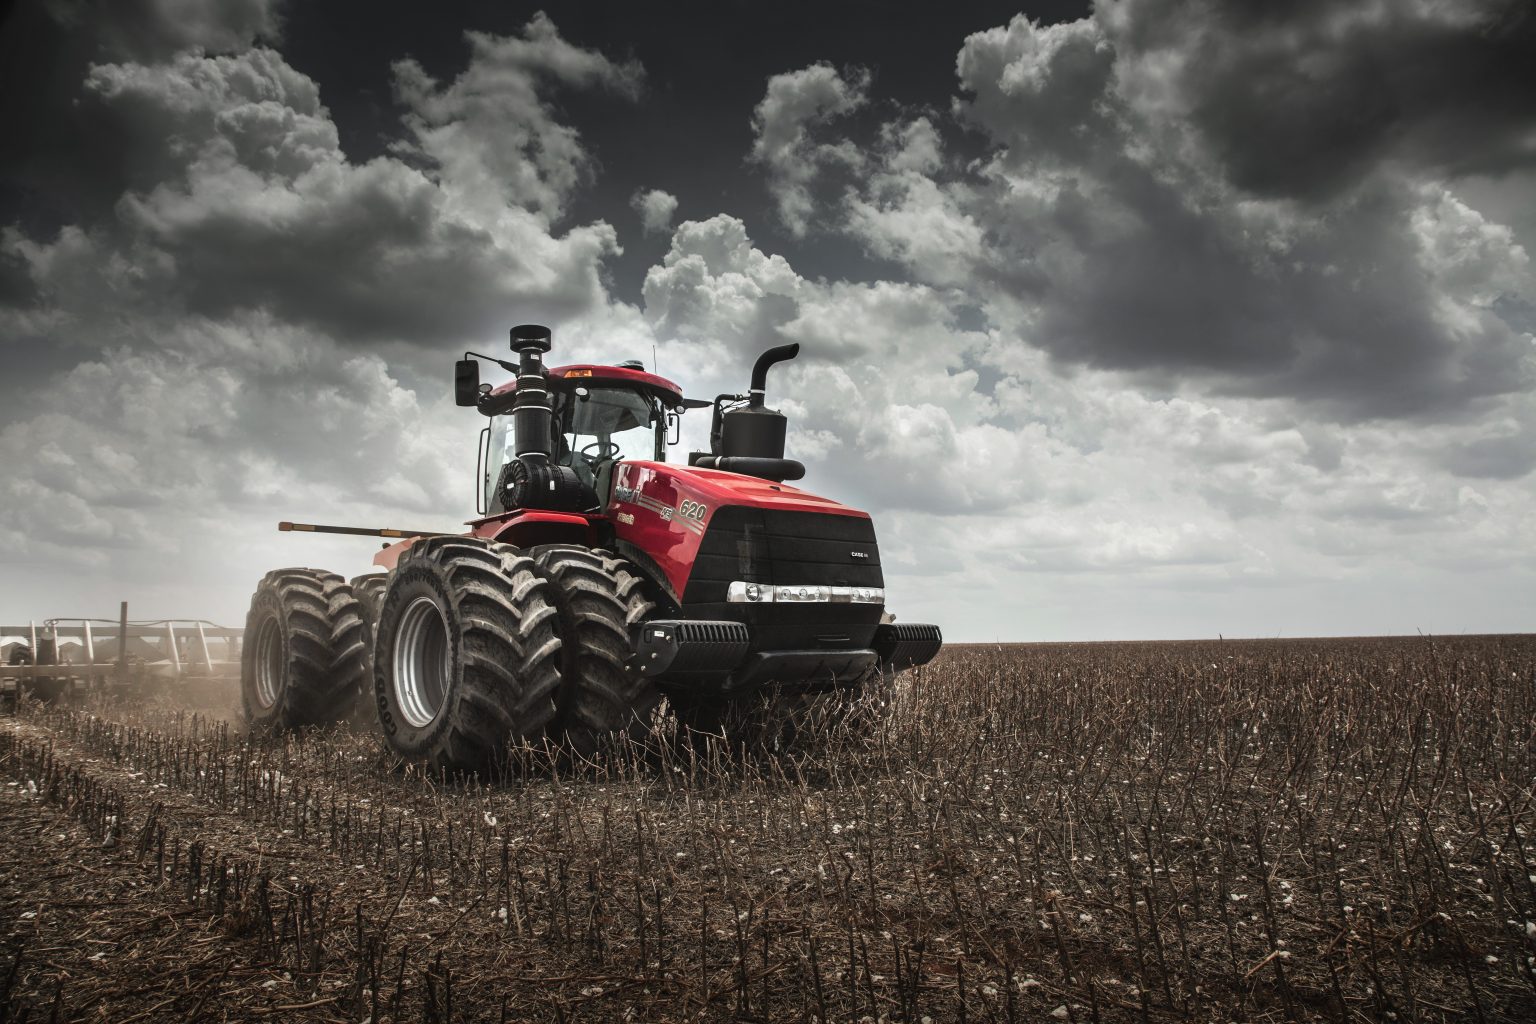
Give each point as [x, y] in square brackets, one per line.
[764, 593]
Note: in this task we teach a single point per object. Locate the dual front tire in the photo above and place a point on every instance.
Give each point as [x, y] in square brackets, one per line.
[465, 658]
[601, 602]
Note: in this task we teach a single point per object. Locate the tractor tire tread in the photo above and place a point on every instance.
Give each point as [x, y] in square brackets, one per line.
[508, 664]
[600, 599]
[354, 611]
[314, 693]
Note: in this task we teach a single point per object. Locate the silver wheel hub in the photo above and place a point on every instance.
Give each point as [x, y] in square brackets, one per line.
[421, 664]
[269, 661]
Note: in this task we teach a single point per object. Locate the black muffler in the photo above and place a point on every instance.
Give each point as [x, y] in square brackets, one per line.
[749, 439]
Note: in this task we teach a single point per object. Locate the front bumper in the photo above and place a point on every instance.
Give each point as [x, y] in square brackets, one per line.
[718, 656]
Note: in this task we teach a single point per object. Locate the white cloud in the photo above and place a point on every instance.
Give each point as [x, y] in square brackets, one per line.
[656, 209]
[983, 463]
[258, 208]
[491, 132]
[1102, 228]
[903, 213]
[166, 467]
[230, 324]
[1108, 393]
[786, 126]
[714, 286]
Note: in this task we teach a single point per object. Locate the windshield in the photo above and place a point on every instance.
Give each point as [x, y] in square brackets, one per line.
[610, 423]
[607, 425]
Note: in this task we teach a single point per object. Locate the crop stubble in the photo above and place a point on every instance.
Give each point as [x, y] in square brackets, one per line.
[1323, 829]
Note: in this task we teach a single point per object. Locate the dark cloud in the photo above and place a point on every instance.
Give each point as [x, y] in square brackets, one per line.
[1041, 90]
[1084, 339]
[1509, 454]
[1103, 230]
[16, 286]
[150, 30]
[1306, 100]
[76, 156]
[237, 196]
[199, 344]
[1346, 312]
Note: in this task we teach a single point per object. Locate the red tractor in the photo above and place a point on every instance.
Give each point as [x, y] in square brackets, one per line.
[596, 579]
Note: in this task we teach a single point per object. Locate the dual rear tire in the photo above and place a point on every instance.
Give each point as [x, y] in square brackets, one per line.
[469, 646]
[290, 676]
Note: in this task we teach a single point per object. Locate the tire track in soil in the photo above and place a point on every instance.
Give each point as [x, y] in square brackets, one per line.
[109, 944]
[107, 934]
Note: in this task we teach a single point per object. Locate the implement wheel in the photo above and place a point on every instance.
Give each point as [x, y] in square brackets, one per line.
[466, 658]
[47, 688]
[287, 661]
[601, 600]
[42, 688]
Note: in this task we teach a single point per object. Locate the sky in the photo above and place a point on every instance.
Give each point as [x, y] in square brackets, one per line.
[1133, 320]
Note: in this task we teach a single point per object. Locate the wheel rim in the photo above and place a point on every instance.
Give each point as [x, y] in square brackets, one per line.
[421, 661]
[269, 661]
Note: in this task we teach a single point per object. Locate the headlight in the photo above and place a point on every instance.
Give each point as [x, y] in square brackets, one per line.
[802, 593]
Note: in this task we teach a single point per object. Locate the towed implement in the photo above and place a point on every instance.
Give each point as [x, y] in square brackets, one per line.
[596, 579]
[65, 655]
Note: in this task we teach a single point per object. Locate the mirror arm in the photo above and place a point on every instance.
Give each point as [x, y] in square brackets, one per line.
[509, 367]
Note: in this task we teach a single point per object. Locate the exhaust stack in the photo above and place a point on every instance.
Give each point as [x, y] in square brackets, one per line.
[750, 438]
[755, 431]
[760, 373]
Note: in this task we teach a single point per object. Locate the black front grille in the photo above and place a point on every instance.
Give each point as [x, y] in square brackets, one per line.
[773, 547]
[766, 546]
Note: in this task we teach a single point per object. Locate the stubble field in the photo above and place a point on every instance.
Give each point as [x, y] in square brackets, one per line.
[1255, 830]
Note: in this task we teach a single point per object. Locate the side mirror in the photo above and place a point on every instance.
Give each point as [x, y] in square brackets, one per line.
[466, 382]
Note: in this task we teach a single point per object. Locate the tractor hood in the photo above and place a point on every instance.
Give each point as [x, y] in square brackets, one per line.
[664, 510]
[716, 488]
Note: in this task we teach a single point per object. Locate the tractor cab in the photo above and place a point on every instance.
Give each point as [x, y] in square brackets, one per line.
[598, 416]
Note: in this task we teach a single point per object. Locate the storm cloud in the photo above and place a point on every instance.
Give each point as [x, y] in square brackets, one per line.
[1305, 101]
[1107, 225]
[1172, 319]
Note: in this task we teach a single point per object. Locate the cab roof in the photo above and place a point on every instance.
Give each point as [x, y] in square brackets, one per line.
[597, 375]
